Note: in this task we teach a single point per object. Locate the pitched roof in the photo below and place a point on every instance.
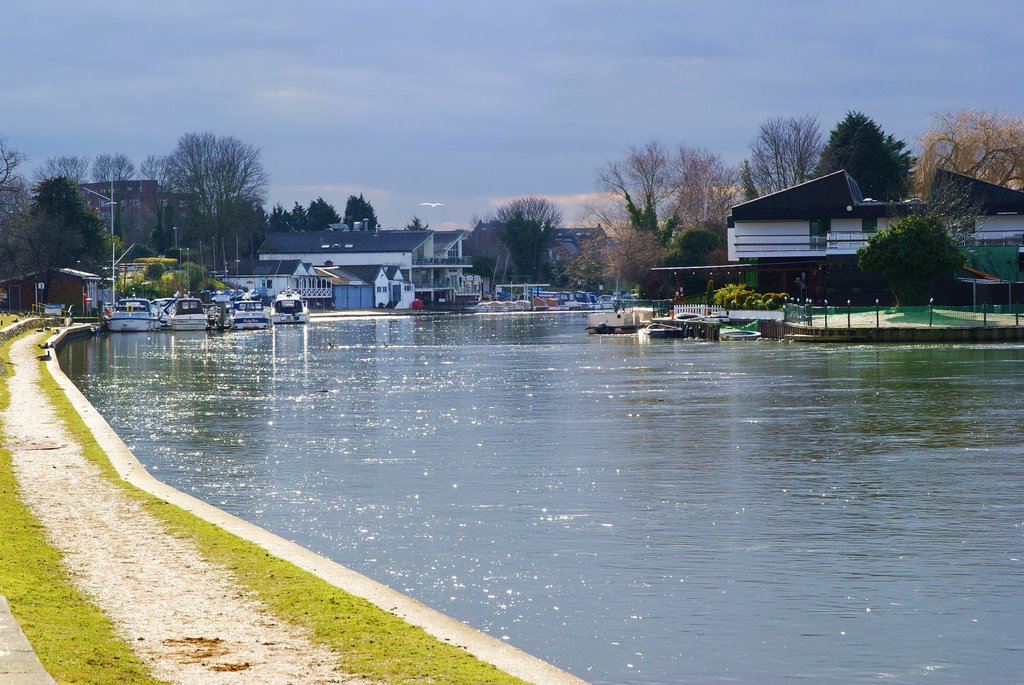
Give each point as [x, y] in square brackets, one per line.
[334, 242]
[988, 198]
[831, 196]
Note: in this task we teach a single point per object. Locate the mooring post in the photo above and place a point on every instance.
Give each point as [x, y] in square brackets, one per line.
[826, 314]
[984, 313]
[930, 300]
[876, 312]
[848, 314]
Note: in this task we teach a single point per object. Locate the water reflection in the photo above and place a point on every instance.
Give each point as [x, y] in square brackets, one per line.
[665, 513]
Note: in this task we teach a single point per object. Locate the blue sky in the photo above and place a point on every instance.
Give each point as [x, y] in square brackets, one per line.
[472, 104]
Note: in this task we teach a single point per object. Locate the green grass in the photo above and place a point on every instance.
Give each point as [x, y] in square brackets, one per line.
[75, 642]
[369, 642]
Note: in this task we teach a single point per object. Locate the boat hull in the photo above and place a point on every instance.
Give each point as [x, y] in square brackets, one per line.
[188, 323]
[115, 325]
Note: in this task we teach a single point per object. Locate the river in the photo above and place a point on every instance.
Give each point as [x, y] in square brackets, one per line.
[659, 513]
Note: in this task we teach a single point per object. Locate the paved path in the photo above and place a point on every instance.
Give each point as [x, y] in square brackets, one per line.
[18, 663]
[136, 562]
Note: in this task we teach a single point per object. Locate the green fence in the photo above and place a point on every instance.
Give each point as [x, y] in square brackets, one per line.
[915, 317]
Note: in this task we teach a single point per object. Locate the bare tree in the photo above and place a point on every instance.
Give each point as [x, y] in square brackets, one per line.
[13, 201]
[705, 188]
[69, 166]
[115, 168]
[643, 182]
[982, 144]
[154, 168]
[784, 153]
[224, 180]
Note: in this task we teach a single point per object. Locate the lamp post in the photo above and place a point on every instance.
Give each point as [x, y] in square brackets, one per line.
[113, 255]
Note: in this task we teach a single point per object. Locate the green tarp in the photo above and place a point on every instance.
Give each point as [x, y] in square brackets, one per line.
[997, 260]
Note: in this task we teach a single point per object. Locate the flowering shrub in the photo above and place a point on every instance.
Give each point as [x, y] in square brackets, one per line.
[739, 296]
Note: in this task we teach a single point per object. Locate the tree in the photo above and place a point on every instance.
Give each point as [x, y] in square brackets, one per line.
[985, 145]
[642, 183]
[320, 215]
[61, 230]
[107, 168]
[705, 189]
[528, 225]
[881, 164]
[154, 168]
[357, 209]
[69, 166]
[911, 254]
[12, 185]
[784, 154]
[416, 225]
[225, 183]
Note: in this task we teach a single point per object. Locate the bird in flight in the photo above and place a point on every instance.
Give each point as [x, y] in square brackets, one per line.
[432, 204]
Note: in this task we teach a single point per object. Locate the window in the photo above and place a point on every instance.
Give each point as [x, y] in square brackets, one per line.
[868, 225]
[819, 229]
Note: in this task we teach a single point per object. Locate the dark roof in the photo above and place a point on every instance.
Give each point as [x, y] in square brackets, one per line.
[268, 267]
[988, 198]
[333, 242]
[828, 197]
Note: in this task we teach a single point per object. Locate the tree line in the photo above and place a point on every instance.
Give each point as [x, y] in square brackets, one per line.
[656, 205]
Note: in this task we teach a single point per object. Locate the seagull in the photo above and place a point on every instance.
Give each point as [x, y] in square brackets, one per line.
[432, 204]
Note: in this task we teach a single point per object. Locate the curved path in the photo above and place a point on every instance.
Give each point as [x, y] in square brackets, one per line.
[112, 569]
[186, 619]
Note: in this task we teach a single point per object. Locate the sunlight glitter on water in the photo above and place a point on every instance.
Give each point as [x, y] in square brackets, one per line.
[651, 514]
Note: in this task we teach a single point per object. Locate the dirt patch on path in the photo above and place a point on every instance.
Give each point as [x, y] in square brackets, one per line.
[186, 618]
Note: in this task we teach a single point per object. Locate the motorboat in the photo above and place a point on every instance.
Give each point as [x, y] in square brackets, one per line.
[162, 310]
[132, 314]
[188, 314]
[289, 307]
[249, 314]
[659, 331]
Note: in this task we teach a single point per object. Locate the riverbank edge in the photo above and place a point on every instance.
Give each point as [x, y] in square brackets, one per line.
[488, 649]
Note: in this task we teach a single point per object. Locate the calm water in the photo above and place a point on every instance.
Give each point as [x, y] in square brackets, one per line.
[671, 512]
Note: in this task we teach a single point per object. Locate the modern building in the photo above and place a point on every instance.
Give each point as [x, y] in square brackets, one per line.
[139, 206]
[804, 240]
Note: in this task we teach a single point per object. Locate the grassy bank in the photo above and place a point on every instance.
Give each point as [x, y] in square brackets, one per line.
[74, 641]
[369, 641]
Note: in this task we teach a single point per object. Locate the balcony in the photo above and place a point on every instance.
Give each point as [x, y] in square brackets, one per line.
[442, 261]
[835, 243]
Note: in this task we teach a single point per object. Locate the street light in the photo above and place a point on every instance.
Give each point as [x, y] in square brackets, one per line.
[113, 273]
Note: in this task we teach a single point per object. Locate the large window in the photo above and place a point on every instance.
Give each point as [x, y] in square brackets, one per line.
[868, 225]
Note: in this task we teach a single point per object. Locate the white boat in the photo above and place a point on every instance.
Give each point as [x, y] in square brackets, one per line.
[249, 314]
[162, 310]
[738, 334]
[132, 314]
[188, 314]
[288, 307]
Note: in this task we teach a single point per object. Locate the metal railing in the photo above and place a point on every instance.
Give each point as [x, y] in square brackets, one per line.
[879, 316]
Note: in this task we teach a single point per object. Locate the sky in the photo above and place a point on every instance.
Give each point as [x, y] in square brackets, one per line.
[472, 104]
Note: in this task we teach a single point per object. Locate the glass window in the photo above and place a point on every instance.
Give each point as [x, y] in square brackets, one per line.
[868, 225]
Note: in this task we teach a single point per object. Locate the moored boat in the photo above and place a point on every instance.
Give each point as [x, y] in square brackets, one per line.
[657, 331]
[188, 314]
[289, 307]
[249, 314]
[132, 314]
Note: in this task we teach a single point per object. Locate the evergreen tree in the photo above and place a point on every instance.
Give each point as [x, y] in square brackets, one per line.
[320, 215]
[280, 220]
[416, 225]
[357, 209]
[879, 163]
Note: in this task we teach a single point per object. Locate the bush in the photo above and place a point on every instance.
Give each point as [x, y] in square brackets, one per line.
[739, 296]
